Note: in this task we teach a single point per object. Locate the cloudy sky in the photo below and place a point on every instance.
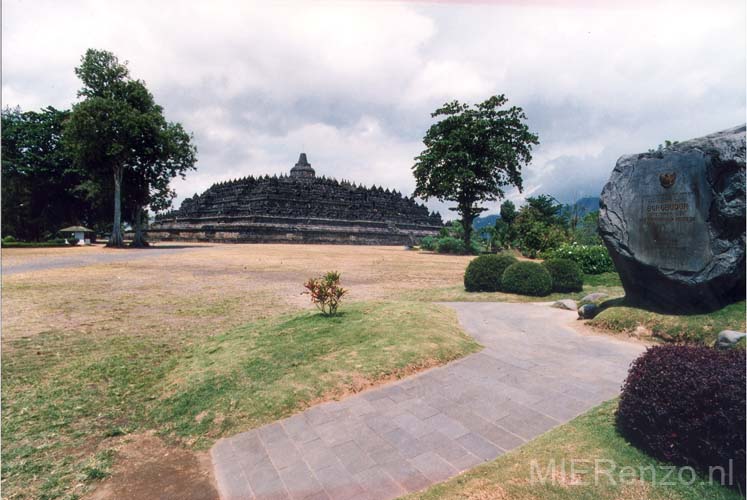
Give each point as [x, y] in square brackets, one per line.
[353, 83]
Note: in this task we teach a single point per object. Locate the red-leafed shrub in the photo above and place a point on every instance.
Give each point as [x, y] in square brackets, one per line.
[326, 292]
[686, 405]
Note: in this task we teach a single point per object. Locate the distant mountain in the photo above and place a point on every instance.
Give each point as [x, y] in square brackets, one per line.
[488, 220]
[585, 205]
[589, 204]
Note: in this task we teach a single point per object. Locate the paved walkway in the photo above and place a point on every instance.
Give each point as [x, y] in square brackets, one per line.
[534, 374]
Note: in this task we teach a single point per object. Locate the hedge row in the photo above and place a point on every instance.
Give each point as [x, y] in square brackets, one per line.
[493, 273]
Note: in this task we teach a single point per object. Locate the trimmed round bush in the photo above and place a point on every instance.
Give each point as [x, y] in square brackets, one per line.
[527, 278]
[686, 405]
[566, 275]
[484, 273]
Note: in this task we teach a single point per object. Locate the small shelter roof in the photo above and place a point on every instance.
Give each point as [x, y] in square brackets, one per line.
[76, 229]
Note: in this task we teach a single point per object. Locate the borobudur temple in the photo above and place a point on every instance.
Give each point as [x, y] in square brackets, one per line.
[297, 208]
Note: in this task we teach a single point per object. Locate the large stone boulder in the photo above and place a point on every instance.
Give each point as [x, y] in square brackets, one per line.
[673, 221]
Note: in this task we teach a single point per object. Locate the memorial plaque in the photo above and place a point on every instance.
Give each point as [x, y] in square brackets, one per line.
[672, 210]
[673, 222]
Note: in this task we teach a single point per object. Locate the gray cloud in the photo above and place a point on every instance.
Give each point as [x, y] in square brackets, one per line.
[353, 83]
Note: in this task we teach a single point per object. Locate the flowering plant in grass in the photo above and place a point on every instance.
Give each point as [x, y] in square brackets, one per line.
[326, 292]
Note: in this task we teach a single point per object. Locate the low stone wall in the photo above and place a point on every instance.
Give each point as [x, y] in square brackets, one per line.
[265, 229]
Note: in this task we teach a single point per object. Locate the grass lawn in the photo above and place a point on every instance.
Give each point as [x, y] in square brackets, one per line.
[587, 438]
[64, 399]
[268, 370]
[166, 354]
[699, 328]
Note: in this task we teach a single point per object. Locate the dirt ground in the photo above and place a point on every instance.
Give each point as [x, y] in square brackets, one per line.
[175, 294]
[149, 468]
[247, 281]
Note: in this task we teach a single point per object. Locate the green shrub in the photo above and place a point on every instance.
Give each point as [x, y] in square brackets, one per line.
[527, 278]
[566, 275]
[450, 244]
[593, 259]
[484, 273]
[686, 405]
[429, 243]
[9, 239]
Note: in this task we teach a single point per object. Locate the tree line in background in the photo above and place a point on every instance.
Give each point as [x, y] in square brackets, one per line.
[542, 227]
[105, 162]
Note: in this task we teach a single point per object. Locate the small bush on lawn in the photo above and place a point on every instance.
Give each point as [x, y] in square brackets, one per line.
[484, 273]
[449, 244]
[326, 292]
[566, 275]
[429, 243]
[593, 259]
[527, 278]
[686, 405]
[9, 239]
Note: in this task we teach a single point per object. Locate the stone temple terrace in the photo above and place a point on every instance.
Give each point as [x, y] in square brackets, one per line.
[297, 208]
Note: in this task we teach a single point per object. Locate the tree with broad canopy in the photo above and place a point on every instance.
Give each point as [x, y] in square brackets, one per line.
[472, 154]
[119, 129]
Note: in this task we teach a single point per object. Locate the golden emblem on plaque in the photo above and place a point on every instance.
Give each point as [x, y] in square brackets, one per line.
[667, 180]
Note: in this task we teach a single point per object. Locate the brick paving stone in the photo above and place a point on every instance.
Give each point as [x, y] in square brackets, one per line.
[420, 408]
[412, 424]
[300, 482]
[378, 484]
[283, 453]
[299, 430]
[525, 422]
[339, 483]
[318, 455]
[533, 374]
[272, 433]
[316, 415]
[479, 446]
[466, 462]
[448, 449]
[433, 466]
[353, 457]
[406, 445]
[379, 423]
[407, 476]
[447, 425]
[334, 432]
[385, 455]
[232, 482]
[265, 482]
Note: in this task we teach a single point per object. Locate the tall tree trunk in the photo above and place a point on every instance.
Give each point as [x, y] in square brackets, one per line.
[116, 239]
[139, 239]
[468, 216]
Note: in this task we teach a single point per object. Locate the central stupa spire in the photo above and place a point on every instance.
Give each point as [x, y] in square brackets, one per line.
[302, 168]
